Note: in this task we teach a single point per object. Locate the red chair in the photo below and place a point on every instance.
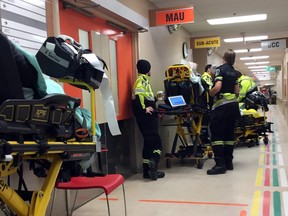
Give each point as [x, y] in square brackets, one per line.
[108, 183]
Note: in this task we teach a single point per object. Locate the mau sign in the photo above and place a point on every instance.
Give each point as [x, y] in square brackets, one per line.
[171, 16]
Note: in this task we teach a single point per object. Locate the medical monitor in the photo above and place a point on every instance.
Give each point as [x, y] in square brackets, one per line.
[176, 101]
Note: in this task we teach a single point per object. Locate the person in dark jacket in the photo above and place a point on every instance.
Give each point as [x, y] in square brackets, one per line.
[143, 104]
[224, 114]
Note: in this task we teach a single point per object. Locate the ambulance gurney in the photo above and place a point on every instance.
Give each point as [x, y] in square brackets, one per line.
[252, 125]
[41, 129]
[189, 116]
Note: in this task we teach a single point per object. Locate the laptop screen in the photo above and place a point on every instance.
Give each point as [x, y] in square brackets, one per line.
[176, 101]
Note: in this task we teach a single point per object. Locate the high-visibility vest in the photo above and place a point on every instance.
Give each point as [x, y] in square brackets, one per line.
[225, 98]
[208, 79]
[143, 89]
[245, 85]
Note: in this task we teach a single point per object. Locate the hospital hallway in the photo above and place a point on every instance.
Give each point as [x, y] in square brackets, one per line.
[256, 187]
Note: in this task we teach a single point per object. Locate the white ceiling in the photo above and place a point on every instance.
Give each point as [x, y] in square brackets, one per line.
[276, 25]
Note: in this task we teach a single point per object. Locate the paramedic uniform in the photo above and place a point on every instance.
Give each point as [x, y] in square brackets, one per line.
[142, 97]
[224, 114]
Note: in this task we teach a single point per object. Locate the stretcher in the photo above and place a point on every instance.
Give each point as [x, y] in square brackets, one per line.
[253, 126]
[191, 138]
[40, 130]
[14, 152]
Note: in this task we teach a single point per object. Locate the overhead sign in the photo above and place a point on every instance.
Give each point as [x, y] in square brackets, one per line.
[206, 42]
[171, 16]
[24, 23]
[272, 68]
[274, 44]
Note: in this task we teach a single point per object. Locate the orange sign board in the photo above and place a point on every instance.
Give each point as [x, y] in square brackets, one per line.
[174, 16]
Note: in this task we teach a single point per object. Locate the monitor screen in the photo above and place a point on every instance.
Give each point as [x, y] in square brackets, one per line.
[176, 101]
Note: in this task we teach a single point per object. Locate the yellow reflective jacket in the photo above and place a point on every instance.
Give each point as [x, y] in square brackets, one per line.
[246, 84]
[142, 94]
[208, 79]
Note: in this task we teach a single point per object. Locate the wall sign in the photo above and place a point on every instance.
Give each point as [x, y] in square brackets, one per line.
[24, 23]
[171, 16]
[206, 42]
[274, 44]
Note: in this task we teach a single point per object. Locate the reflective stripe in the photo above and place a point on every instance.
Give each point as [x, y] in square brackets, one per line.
[158, 151]
[139, 90]
[220, 78]
[223, 103]
[228, 142]
[146, 161]
[226, 98]
[214, 143]
[229, 96]
[150, 98]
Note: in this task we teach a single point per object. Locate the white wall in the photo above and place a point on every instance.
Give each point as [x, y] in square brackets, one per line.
[215, 59]
[162, 49]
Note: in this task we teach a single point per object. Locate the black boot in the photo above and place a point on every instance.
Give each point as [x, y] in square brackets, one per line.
[220, 167]
[150, 171]
[228, 152]
[145, 170]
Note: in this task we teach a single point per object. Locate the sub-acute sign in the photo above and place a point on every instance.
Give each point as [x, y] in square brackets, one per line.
[206, 42]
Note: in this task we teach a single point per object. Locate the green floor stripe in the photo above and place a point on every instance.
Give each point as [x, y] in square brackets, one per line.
[275, 178]
[274, 159]
[273, 139]
[277, 203]
[273, 148]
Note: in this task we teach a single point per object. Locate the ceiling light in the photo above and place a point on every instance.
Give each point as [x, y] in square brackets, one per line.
[241, 51]
[248, 50]
[255, 50]
[254, 57]
[258, 70]
[256, 63]
[237, 19]
[254, 67]
[243, 39]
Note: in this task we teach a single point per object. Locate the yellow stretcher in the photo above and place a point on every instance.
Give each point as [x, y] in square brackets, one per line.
[14, 152]
[252, 126]
[190, 130]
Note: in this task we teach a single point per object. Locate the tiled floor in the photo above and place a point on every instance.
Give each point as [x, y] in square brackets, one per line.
[256, 187]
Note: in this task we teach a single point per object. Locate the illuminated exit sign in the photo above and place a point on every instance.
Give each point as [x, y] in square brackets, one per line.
[171, 16]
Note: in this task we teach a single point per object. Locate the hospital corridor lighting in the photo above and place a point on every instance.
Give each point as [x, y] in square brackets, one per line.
[254, 57]
[244, 39]
[237, 19]
[248, 50]
[256, 63]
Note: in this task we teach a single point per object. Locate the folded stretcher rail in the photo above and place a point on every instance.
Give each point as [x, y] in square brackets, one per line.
[49, 117]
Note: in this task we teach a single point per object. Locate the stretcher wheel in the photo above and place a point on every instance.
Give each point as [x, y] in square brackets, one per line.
[168, 163]
[210, 155]
[199, 163]
[250, 143]
[265, 140]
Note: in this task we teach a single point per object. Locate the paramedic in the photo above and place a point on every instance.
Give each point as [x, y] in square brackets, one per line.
[208, 75]
[143, 104]
[246, 84]
[224, 113]
[207, 82]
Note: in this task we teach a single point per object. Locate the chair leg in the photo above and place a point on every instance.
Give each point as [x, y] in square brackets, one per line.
[124, 196]
[72, 209]
[108, 206]
[53, 200]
